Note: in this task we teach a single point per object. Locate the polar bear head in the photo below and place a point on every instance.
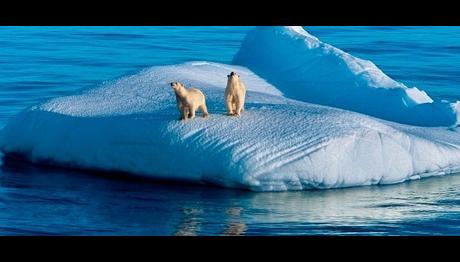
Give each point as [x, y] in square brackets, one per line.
[177, 87]
[233, 77]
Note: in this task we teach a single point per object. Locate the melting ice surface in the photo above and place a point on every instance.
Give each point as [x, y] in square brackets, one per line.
[284, 140]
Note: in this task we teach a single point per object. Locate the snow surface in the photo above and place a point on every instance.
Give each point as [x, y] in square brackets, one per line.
[277, 144]
[306, 69]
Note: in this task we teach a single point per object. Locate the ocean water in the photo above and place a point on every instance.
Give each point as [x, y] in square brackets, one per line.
[37, 63]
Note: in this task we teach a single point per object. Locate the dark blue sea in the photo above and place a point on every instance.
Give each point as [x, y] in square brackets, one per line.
[38, 63]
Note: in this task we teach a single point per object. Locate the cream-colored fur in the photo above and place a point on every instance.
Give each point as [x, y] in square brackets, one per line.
[235, 95]
[189, 100]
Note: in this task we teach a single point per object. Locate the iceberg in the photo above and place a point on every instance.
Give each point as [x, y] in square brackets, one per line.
[306, 69]
[300, 130]
[278, 144]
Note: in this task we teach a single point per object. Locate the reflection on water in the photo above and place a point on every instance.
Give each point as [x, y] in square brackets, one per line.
[395, 209]
[235, 226]
[48, 201]
[193, 218]
[190, 224]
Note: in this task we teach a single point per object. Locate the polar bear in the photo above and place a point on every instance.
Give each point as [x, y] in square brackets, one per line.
[235, 94]
[189, 100]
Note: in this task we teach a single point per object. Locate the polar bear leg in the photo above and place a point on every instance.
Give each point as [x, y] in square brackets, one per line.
[182, 115]
[184, 112]
[192, 112]
[241, 101]
[204, 110]
[239, 106]
[230, 106]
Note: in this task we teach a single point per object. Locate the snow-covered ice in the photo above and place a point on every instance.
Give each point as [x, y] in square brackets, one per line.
[279, 143]
[306, 69]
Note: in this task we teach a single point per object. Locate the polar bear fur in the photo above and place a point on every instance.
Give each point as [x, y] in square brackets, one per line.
[235, 95]
[189, 100]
